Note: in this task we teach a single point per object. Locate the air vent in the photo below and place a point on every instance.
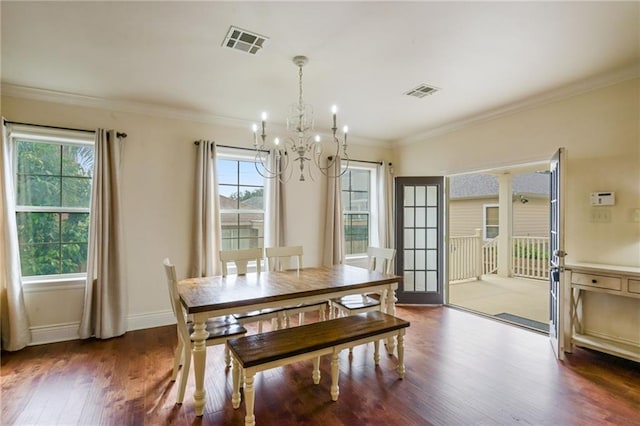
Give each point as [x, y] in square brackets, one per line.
[244, 40]
[421, 91]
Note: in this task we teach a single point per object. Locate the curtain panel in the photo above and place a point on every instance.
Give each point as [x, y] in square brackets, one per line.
[15, 322]
[206, 241]
[105, 300]
[334, 244]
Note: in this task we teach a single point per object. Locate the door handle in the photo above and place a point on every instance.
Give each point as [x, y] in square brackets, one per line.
[559, 253]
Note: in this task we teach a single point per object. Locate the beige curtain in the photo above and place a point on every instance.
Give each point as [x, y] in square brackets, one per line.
[274, 215]
[385, 205]
[334, 230]
[205, 257]
[105, 298]
[15, 323]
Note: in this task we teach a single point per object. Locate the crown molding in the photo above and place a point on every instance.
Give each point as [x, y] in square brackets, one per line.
[65, 98]
[574, 89]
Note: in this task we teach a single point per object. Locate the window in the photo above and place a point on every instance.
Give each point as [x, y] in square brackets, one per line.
[241, 190]
[358, 185]
[491, 221]
[53, 175]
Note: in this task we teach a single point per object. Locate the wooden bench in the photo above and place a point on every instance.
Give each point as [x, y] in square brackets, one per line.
[263, 351]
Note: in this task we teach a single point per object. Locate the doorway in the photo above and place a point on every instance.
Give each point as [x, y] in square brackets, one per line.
[498, 252]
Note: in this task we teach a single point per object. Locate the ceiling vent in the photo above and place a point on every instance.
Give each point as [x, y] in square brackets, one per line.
[244, 40]
[422, 91]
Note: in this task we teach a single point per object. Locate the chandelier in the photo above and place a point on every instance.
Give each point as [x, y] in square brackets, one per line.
[299, 145]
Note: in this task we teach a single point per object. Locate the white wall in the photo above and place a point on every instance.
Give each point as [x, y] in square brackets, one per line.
[158, 177]
[599, 129]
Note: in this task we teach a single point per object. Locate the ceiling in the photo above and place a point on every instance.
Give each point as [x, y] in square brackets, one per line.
[363, 56]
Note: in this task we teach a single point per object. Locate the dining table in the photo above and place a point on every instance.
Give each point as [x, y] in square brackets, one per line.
[213, 296]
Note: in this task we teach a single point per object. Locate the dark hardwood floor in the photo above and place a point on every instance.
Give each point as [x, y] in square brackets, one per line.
[462, 369]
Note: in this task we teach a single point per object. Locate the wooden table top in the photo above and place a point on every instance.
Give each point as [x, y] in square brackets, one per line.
[235, 291]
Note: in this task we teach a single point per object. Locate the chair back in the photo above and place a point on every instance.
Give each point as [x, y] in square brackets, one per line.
[241, 259]
[381, 259]
[284, 258]
[178, 310]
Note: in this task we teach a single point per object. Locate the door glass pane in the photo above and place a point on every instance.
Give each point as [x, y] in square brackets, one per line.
[408, 238]
[432, 196]
[419, 284]
[420, 239]
[421, 220]
[409, 284]
[432, 239]
[420, 196]
[432, 258]
[408, 217]
[408, 196]
[432, 217]
[432, 281]
[420, 260]
[408, 260]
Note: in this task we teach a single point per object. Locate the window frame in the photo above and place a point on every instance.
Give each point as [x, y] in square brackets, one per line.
[372, 213]
[485, 226]
[58, 137]
[233, 155]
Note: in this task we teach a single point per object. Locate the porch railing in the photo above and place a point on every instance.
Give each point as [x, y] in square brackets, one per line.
[470, 258]
[530, 257]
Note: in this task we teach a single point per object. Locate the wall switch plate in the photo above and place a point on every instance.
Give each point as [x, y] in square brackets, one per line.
[600, 215]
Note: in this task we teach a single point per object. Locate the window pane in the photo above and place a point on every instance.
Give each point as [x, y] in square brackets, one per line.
[77, 160]
[359, 201]
[249, 175]
[356, 227]
[227, 171]
[38, 158]
[360, 180]
[39, 259]
[249, 198]
[38, 227]
[74, 258]
[75, 228]
[492, 232]
[76, 192]
[492, 216]
[38, 191]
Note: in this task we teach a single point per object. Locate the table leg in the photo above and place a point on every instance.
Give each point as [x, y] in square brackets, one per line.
[316, 370]
[235, 378]
[199, 336]
[391, 310]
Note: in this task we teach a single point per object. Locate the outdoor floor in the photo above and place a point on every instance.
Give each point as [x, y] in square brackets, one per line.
[522, 297]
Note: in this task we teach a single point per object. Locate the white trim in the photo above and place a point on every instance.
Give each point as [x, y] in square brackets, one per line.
[63, 332]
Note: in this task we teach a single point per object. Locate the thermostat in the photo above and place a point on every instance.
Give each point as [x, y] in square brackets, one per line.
[603, 198]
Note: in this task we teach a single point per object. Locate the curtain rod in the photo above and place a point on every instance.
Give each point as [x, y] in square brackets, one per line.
[360, 161]
[118, 134]
[235, 147]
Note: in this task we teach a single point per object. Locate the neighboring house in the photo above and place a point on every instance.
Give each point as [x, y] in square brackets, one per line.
[473, 204]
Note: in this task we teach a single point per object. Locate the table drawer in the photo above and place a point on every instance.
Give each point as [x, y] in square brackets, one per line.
[598, 281]
[634, 286]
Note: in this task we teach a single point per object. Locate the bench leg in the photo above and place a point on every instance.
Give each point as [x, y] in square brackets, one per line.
[235, 377]
[249, 399]
[401, 355]
[391, 310]
[335, 389]
[316, 370]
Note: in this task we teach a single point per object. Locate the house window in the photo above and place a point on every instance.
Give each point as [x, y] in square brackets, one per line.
[358, 185]
[491, 222]
[241, 190]
[53, 176]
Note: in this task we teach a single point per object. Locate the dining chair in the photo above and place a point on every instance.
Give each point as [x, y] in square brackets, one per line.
[290, 258]
[220, 330]
[380, 260]
[241, 259]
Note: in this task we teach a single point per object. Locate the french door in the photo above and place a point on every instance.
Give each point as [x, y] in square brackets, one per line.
[419, 239]
[556, 254]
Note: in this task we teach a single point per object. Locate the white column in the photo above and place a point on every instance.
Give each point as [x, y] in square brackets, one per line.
[505, 203]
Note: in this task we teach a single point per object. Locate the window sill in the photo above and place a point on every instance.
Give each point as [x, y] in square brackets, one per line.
[51, 284]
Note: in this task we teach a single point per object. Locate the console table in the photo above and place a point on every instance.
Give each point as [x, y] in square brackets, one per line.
[619, 281]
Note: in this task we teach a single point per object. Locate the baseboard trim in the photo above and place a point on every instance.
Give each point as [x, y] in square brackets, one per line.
[41, 335]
